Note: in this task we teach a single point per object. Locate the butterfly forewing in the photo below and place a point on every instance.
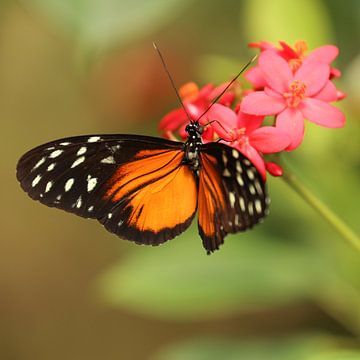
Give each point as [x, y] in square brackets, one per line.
[121, 180]
[232, 195]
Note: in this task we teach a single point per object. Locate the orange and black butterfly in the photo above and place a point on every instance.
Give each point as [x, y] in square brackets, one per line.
[148, 189]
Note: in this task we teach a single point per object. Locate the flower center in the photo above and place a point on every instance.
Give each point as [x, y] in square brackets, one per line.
[295, 94]
[238, 136]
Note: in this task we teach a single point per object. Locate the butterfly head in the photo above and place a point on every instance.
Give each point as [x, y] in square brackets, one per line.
[194, 129]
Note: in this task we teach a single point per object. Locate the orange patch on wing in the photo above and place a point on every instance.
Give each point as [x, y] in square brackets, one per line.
[165, 203]
[210, 195]
[147, 166]
[161, 191]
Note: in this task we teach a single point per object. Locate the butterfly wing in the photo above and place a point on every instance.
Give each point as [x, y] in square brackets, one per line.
[232, 194]
[127, 182]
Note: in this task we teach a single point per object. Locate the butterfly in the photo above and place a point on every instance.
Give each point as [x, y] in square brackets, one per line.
[148, 189]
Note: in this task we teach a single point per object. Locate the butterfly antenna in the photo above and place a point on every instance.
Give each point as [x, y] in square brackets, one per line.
[227, 87]
[172, 81]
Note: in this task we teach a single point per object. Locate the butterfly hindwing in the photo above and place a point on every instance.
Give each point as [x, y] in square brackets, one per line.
[232, 194]
[146, 197]
[121, 180]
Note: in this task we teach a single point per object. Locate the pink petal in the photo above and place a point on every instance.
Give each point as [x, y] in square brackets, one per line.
[256, 77]
[314, 74]
[287, 51]
[217, 91]
[173, 120]
[322, 113]
[258, 103]
[222, 120]
[271, 92]
[262, 45]
[292, 122]
[326, 54]
[194, 110]
[205, 91]
[328, 93]
[276, 70]
[249, 122]
[253, 155]
[208, 135]
[268, 139]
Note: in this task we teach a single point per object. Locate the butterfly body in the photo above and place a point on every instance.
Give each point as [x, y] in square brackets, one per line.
[193, 146]
[148, 189]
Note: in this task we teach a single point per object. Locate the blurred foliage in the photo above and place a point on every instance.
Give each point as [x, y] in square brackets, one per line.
[302, 348]
[71, 290]
[98, 25]
[180, 281]
[291, 20]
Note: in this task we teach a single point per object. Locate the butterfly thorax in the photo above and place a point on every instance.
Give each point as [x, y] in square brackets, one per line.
[193, 145]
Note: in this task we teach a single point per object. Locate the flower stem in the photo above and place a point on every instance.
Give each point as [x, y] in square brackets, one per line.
[333, 219]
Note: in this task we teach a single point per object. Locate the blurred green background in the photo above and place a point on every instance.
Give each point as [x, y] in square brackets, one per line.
[289, 289]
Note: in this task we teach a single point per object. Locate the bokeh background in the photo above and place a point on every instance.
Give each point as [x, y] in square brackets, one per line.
[289, 289]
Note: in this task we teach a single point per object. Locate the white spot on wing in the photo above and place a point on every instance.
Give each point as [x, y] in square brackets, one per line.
[238, 167]
[51, 167]
[120, 222]
[91, 183]
[226, 173]
[65, 143]
[69, 184]
[78, 203]
[81, 151]
[36, 180]
[235, 154]
[109, 216]
[232, 199]
[247, 162]
[258, 187]
[108, 160]
[48, 186]
[58, 197]
[250, 174]
[239, 179]
[93, 139]
[56, 153]
[224, 158]
[237, 220]
[115, 148]
[252, 189]
[242, 203]
[78, 161]
[40, 162]
[90, 208]
[251, 208]
[258, 206]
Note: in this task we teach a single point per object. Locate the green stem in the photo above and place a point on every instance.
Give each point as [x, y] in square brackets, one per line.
[334, 220]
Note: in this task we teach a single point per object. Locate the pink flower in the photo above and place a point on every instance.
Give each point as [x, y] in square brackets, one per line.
[196, 101]
[244, 132]
[294, 96]
[295, 56]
